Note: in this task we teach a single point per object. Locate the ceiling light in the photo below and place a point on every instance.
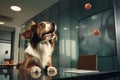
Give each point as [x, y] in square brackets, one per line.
[2, 23]
[94, 17]
[65, 28]
[15, 8]
[77, 27]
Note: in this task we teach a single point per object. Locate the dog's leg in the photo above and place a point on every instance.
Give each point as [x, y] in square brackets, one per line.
[27, 63]
[50, 67]
[49, 61]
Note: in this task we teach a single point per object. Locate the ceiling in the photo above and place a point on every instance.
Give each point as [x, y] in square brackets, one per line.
[30, 8]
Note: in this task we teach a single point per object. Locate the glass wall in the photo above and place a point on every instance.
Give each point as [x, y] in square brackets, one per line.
[66, 14]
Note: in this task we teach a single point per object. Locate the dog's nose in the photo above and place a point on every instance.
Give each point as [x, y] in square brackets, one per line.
[53, 24]
[54, 28]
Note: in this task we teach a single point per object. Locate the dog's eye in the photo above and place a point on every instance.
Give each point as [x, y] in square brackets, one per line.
[42, 25]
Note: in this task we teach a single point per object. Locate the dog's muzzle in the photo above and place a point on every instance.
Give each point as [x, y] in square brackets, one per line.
[51, 32]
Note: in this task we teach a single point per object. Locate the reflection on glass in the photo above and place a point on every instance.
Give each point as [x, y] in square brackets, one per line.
[36, 75]
[102, 41]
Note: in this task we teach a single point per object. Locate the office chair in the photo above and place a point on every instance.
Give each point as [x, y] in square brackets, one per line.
[87, 62]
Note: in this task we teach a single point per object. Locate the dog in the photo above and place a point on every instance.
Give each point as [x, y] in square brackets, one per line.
[41, 46]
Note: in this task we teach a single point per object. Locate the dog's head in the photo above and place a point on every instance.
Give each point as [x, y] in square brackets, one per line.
[43, 31]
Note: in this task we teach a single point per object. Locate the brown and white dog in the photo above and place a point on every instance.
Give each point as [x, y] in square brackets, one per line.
[39, 50]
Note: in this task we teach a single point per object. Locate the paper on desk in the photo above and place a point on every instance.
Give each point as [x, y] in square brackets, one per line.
[82, 71]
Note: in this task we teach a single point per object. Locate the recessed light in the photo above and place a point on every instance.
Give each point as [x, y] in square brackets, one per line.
[94, 17]
[77, 27]
[65, 28]
[15, 8]
[2, 23]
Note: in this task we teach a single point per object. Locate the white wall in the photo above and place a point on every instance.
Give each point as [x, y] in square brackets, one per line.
[16, 43]
[4, 47]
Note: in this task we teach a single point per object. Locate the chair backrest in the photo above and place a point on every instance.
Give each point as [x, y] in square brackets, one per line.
[87, 62]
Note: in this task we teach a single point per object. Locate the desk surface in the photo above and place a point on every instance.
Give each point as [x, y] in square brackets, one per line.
[62, 74]
[8, 64]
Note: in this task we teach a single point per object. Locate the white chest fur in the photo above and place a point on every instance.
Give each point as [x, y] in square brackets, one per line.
[43, 51]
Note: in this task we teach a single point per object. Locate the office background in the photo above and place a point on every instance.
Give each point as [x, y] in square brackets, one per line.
[66, 14]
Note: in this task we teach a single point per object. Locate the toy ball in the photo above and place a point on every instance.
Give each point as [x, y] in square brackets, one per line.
[88, 6]
[96, 32]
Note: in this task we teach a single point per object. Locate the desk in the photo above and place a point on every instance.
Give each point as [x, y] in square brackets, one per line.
[62, 75]
[7, 65]
[91, 75]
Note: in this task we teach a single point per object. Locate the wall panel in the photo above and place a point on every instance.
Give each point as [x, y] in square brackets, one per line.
[64, 23]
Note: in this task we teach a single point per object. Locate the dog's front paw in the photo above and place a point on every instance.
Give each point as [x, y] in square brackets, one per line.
[51, 71]
[35, 72]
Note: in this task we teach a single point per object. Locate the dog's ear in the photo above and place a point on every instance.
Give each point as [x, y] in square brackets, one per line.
[27, 34]
[32, 24]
